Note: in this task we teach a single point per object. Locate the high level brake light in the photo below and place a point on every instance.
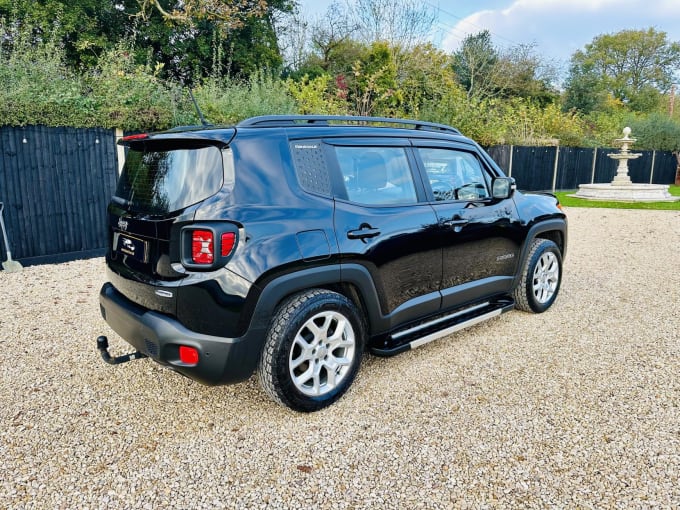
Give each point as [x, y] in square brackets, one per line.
[202, 247]
[140, 136]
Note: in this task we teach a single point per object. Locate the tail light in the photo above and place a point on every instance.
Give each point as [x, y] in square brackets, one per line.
[207, 246]
[228, 242]
[202, 247]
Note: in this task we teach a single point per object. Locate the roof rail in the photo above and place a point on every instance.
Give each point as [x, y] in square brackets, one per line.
[325, 120]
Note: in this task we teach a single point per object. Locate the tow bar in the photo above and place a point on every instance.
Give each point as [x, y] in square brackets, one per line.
[103, 346]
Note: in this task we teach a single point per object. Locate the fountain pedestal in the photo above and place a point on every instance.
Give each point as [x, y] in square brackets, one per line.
[622, 188]
[622, 178]
[625, 193]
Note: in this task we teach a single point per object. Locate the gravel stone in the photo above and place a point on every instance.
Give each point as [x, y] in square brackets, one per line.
[578, 407]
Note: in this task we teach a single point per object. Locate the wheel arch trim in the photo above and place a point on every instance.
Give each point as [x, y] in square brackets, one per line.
[275, 291]
[553, 225]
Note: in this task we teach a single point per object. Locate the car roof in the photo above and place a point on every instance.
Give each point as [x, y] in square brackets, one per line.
[304, 125]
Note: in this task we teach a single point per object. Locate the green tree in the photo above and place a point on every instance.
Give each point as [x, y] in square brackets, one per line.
[231, 14]
[207, 46]
[331, 36]
[188, 49]
[374, 88]
[528, 76]
[425, 77]
[633, 66]
[85, 28]
[656, 131]
[325, 46]
[254, 46]
[486, 72]
[130, 96]
[476, 65]
[318, 96]
[36, 86]
[659, 132]
[585, 91]
[190, 53]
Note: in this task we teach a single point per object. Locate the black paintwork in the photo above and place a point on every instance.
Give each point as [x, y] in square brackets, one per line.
[401, 264]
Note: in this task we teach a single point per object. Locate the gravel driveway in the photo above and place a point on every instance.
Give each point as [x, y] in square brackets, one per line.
[576, 407]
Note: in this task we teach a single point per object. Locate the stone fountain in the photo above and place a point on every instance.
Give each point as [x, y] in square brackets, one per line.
[622, 189]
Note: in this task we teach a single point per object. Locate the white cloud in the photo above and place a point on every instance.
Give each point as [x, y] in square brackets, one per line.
[559, 28]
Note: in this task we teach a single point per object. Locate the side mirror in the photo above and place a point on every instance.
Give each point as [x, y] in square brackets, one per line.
[503, 187]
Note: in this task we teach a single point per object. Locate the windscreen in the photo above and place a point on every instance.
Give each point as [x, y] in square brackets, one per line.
[163, 181]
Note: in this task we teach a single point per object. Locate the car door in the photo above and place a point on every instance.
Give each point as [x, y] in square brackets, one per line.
[480, 235]
[384, 224]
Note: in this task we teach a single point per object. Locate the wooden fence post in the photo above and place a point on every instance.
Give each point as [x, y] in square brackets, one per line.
[120, 151]
[557, 158]
[592, 174]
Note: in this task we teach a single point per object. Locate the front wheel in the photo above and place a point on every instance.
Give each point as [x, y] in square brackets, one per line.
[312, 351]
[541, 277]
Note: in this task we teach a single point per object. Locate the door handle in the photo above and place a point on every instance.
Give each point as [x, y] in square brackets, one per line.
[458, 222]
[365, 231]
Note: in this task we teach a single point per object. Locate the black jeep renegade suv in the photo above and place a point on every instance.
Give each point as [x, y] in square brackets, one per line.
[288, 245]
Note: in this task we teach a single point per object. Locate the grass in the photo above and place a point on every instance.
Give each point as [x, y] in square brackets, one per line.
[568, 201]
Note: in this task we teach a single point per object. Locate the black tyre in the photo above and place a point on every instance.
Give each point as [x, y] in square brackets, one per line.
[541, 277]
[313, 350]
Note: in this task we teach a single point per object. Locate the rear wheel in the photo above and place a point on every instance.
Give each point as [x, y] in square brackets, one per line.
[313, 350]
[541, 277]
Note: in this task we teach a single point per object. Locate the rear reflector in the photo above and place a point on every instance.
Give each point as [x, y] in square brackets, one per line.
[202, 247]
[228, 241]
[188, 355]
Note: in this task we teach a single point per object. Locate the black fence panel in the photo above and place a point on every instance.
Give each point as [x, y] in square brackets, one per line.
[605, 168]
[665, 167]
[533, 167]
[640, 169]
[501, 155]
[575, 166]
[55, 184]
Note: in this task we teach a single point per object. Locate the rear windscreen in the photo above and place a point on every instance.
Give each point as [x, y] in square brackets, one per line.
[160, 182]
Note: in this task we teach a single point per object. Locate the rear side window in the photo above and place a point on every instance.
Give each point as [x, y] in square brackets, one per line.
[310, 166]
[160, 182]
[376, 175]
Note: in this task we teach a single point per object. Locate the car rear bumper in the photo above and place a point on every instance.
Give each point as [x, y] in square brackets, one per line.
[159, 336]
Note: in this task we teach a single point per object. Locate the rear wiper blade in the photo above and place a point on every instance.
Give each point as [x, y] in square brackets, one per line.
[121, 201]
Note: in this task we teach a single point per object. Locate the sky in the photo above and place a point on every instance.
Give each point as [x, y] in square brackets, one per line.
[557, 28]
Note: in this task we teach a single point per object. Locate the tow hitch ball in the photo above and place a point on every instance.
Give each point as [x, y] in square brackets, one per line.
[103, 346]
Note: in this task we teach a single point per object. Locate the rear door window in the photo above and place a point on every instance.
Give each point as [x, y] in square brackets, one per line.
[376, 175]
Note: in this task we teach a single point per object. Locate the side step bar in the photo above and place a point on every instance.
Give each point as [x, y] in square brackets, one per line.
[425, 333]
